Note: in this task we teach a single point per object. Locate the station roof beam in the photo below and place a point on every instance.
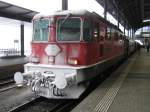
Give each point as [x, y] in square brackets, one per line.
[15, 12]
[132, 12]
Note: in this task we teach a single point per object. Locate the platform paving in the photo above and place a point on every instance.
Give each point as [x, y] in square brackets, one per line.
[8, 66]
[126, 90]
[13, 61]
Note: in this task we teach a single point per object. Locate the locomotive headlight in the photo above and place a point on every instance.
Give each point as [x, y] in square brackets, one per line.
[73, 61]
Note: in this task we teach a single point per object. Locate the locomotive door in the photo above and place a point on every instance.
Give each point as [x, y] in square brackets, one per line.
[108, 43]
[102, 34]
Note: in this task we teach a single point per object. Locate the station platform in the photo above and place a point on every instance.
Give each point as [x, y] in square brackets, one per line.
[13, 61]
[126, 90]
[8, 66]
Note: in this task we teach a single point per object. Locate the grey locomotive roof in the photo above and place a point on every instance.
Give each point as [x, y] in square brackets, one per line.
[73, 12]
[76, 13]
[66, 12]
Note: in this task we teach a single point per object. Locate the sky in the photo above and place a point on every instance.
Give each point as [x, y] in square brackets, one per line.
[38, 5]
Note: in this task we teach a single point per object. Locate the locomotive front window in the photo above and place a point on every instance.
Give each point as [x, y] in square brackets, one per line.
[40, 30]
[68, 29]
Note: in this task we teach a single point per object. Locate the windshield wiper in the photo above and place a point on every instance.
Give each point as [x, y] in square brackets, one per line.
[68, 15]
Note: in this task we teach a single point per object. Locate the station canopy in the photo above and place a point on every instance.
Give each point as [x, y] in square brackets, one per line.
[15, 12]
[132, 11]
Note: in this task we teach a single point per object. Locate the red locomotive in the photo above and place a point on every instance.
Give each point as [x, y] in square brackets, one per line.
[69, 48]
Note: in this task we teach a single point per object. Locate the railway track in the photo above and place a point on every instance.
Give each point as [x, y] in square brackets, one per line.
[3, 83]
[8, 71]
[25, 104]
[6, 76]
[6, 85]
[7, 88]
[41, 104]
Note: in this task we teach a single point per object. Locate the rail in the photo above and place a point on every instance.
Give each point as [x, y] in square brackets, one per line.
[7, 88]
[5, 82]
[6, 85]
[45, 105]
[25, 104]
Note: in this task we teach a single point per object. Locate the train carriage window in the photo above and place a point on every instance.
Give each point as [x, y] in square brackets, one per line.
[114, 34]
[102, 31]
[87, 32]
[108, 32]
[68, 29]
[40, 30]
[96, 30]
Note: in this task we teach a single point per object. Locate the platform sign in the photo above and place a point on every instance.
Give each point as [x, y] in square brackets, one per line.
[16, 41]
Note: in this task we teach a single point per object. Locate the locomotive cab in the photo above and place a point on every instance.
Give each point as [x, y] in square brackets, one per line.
[57, 39]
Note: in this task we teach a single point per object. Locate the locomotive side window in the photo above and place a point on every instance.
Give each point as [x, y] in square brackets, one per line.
[108, 32]
[68, 29]
[96, 30]
[40, 30]
[114, 34]
[87, 32]
[102, 31]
